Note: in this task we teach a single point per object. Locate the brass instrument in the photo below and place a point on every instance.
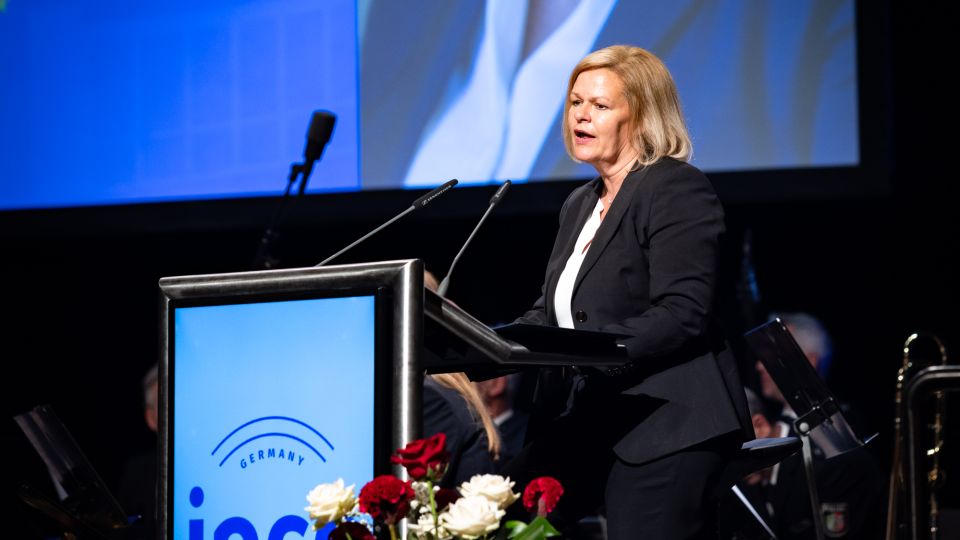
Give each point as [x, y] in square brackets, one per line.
[896, 520]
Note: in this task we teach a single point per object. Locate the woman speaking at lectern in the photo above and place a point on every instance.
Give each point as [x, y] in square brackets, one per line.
[636, 254]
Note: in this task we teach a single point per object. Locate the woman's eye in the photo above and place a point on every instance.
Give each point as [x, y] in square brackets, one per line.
[576, 102]
[601, 106]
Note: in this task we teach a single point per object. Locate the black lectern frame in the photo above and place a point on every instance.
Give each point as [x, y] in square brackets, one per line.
[406, 312]
[397, 286]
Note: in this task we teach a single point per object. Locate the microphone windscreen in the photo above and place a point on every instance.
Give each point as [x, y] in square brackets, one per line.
[501, 191]
[318, 134]
[425, 199]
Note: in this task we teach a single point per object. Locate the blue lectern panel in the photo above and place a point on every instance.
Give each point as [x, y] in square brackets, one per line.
[269, 399]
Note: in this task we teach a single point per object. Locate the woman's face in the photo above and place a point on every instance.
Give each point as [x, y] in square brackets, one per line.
[599, 121]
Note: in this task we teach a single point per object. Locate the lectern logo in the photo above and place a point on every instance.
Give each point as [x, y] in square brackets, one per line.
[271, 438]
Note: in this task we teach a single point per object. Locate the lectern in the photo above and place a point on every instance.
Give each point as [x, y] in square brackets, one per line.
[272, 382]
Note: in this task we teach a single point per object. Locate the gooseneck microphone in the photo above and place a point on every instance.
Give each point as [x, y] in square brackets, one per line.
[318, 135]
[417, 204]
[495, 200]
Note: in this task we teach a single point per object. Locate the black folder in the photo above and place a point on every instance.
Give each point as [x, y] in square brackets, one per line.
[456, 341]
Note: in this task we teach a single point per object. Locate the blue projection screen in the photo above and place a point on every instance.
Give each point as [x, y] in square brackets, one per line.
[268, 400]
[108, 102]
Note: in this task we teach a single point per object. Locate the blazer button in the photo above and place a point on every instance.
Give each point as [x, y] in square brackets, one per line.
[581, 316]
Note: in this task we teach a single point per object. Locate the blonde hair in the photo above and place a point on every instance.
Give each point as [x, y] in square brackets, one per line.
[430, 281]
[463, 386]
[657, 120]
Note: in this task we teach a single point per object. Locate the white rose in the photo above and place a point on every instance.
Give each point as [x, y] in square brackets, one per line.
[422, 491]
[423, 528]
[495, 488]
[330, 502]
[471, 517]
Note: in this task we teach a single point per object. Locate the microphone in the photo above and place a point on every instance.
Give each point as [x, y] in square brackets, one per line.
[318, 135]
[417, 204]
[495, 200]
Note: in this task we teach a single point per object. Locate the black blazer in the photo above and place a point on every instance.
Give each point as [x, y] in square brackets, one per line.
[649, 273]
[445, 410]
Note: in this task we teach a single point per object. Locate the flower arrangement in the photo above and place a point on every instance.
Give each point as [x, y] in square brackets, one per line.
[472, 512]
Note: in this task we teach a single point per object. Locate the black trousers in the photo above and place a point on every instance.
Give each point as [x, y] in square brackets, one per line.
[671, 497]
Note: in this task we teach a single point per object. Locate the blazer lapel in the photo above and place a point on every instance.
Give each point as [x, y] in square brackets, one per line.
[569, 231]
[609, 225]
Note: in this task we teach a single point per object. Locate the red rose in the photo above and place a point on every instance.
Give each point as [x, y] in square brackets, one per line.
[444, 497]
[542, 493]
[356, 530]
[424, 457]
[386, 498]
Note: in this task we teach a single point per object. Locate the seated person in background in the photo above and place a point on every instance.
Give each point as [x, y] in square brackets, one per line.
[764, 430]
[815, 342]
[498, 396]
[735, 520]
[452, 405]
[138, 485]
[849, 485]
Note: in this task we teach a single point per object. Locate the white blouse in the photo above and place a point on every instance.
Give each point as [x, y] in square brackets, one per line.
[564, 293]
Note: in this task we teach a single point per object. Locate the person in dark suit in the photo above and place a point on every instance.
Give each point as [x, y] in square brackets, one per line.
[137, 491]
[636, 254]
[449, 407]
[499, 396]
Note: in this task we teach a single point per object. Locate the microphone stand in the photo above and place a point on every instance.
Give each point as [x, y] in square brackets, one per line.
[445, 284]
[264, 260]
[494, 201]
[421, 201]
[318, 135]
[368, 235]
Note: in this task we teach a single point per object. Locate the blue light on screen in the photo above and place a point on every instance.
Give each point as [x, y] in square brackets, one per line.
[270, 399]
[109, 102]
[106, 102]
[479, 90]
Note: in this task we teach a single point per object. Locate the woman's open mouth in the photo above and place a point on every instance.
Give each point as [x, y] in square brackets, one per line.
[582, 136]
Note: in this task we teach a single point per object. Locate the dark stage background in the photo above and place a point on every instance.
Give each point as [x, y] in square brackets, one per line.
[80, 285]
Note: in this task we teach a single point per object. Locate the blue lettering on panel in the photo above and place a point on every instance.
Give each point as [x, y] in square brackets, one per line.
[235, 525]
[288, 524]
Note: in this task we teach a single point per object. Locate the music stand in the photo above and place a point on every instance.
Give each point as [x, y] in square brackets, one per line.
[86, 509]
[819, 418]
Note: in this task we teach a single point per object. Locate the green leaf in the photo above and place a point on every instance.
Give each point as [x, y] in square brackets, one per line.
[515, 527]
[538, 529]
